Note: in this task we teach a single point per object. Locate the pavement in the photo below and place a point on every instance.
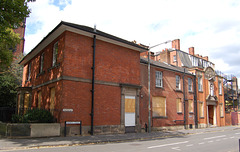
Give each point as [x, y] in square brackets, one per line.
[34, 143]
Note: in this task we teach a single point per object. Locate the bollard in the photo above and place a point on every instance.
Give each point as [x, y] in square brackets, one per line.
[146, 127]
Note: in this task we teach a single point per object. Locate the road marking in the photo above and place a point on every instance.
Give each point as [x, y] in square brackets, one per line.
[189, 145]
[176, 148]
[210, 141]
[214, 137]
[232, 137]
[237, 133]
[201, 143]
[169, 144]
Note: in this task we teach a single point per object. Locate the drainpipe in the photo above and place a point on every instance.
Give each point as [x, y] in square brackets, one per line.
[195, 101]
[93, 82]
[184, 98]
[149, 94]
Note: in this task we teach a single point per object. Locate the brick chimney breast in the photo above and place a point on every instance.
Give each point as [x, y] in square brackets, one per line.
[176, 44]
[191, 50]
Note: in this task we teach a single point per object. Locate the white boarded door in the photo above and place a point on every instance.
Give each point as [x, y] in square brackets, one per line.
[130, 110]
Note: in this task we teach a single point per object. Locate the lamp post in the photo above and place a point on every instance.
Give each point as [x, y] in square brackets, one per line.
[149, 85]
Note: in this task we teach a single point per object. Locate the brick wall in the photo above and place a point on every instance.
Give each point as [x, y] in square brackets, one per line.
[168, 91]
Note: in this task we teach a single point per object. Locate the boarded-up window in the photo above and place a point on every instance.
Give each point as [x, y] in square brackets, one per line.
[52, 100]
[190, 106]
[39, 99]
[130, 105]
[221, 110]
[179, 105]
[159, 106]
[26, 102]
[201, 110]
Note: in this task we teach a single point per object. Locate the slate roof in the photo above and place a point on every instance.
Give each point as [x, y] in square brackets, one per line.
[164, 66]
[85, 29]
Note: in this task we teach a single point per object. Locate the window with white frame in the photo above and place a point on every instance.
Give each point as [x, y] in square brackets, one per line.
[159, 79]
[55, 53]
[174, 58]
[178, 86]
[200, 88]
[220, 87]
[41, 62]
[190, 87]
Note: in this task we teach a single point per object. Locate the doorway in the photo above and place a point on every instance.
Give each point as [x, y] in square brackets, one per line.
[130, 121]
[210, 114]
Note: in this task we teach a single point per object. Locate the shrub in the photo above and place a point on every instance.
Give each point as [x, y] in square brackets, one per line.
[34, 115]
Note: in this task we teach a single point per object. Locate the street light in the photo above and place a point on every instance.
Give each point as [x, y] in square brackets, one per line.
[149, 94]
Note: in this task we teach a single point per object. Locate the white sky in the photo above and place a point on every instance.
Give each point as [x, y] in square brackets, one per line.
[211, 26]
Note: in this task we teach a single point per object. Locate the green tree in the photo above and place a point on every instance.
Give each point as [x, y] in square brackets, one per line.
[12, 15]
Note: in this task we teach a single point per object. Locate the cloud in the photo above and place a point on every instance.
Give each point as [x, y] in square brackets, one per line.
[212, 27]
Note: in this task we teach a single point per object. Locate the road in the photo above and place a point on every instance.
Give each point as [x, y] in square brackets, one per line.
[227, 141]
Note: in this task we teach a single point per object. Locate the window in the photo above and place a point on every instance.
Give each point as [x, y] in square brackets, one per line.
[159, 81]
[200, 83]
[201, 110]
[159, 107]
[29, 72]
[220, 87]
[221, 110]
[52, 100]
[39, 97]
[174, 58]
[190, 106]
[194, 60]
[190, 84]
[55, 53]
[179, 105]
[178, 87]
[41, 62]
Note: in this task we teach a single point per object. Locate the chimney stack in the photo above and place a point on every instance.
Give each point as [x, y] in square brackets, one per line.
[176, 44]
[191, 50]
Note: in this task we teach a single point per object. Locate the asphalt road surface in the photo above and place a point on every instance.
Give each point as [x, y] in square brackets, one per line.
[225, 141]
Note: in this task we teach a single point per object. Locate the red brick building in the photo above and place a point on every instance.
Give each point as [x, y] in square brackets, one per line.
[82, 74]
[210, 96]
[172, 96]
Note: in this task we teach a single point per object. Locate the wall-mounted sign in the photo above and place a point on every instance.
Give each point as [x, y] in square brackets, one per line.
[67, 110]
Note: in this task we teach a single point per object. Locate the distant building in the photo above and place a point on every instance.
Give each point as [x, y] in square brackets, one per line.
[209, 102]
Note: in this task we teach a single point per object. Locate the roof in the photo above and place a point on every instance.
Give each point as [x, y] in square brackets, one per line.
[83, 30]
[164, 66]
